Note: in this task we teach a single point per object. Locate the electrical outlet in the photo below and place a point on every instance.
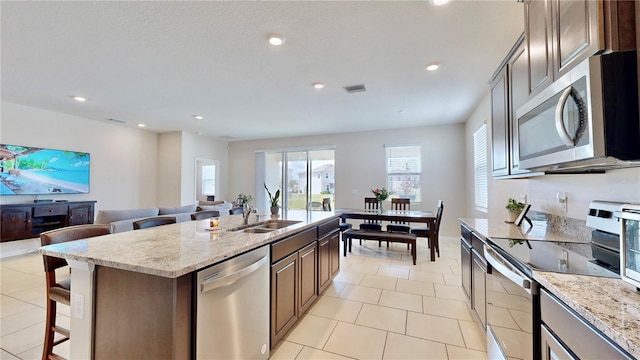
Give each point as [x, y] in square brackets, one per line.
[354, 191]
[561, 196]
[77, 306]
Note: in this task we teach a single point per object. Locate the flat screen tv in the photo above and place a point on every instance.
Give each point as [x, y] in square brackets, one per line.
[28, 170]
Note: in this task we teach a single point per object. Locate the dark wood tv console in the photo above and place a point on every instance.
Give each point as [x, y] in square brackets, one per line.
[28, 220]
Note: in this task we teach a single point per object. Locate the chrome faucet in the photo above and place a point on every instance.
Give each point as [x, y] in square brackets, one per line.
[246, 211]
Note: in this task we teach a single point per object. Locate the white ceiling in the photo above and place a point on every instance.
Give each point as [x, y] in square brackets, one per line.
[160, 63]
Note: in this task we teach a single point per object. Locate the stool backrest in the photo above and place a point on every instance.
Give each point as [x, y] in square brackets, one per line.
[206, 214]
[153, 221]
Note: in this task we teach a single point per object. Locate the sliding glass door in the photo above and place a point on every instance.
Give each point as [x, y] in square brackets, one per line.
[307, 175]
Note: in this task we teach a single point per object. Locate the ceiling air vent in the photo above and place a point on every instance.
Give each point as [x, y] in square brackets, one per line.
[355, 88]
[117, 120]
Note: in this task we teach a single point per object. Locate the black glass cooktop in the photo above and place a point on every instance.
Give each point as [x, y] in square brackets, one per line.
[551, 256]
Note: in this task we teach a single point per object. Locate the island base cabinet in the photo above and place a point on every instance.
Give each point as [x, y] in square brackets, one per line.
[141, 316]
[328, 260]
[284, 290]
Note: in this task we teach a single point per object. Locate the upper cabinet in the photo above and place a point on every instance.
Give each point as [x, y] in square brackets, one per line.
[562, 33]
[509, 91]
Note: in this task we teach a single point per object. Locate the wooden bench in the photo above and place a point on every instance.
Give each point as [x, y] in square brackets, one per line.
[399, 237]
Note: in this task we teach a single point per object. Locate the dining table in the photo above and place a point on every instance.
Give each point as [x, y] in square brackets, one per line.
[408, 216]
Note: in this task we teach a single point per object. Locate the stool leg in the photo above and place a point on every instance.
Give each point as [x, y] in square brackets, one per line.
[344, 246]
[50, 323]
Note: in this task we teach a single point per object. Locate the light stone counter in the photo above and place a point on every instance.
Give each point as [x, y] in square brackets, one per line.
[178, 249]
[541, 230]
[611, 305]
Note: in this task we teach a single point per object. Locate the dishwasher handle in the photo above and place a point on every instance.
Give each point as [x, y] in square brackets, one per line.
[213, 282]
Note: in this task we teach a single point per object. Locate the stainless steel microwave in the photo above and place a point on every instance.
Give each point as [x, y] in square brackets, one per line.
[585, 120]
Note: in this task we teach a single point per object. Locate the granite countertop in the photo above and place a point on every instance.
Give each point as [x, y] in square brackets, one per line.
[541, 230]
[611, 305]
[178, 249]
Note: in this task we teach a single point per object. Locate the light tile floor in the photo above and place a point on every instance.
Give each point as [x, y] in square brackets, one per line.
[379, 306]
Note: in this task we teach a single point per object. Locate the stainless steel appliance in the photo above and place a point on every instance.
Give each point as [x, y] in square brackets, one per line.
[630, 243]
[512, 293]
[585, 120]
[232, 304]
[605, 238]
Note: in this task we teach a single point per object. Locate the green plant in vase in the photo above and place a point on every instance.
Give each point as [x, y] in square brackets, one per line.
[274, 200]
[514, 207]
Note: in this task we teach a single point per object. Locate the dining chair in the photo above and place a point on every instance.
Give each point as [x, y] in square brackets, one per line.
[206, 214]
[371, 204]
[60, 291]
[426, 231]
[400, 204]
[153, 221]
[326, 204]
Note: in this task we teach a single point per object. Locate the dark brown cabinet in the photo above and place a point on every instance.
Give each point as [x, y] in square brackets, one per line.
[499, 123]
[474, 270]
[509, 91]
[284, 295]
[308, 277]
[24, 221]
[562, 33]
[465, 261]
[479, 281]
[328, 256]
[15, 222]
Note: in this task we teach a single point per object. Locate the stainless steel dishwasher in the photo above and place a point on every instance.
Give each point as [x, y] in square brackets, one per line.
[232, 319]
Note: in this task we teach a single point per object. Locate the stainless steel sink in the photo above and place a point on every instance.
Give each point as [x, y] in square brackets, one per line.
[265, 226]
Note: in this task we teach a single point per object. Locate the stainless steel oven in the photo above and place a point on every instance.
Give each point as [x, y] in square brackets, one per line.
[510, 296]
[588, 118]
[630, 243]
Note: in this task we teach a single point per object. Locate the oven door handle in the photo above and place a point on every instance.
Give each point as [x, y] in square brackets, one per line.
[627, 215]
[509, 271]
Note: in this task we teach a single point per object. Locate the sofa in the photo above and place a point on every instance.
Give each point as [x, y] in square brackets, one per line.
[122, 220]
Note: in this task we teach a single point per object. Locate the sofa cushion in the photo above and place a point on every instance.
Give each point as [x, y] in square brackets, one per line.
[177, 210]
[109, 216]
[207, 203]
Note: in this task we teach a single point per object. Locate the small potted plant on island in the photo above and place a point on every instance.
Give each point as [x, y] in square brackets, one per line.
[275, 199]
[514, 208]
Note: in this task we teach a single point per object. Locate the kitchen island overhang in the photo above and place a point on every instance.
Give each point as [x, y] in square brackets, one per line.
[166, 256]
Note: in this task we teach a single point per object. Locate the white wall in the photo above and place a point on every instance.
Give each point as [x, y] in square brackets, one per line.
[170, 169]
[614, 185]
[196, 146]
[360, 165]
[123, 160]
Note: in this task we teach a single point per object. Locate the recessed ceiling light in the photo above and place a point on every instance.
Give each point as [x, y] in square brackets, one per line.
[439, 2]
[433, 67]
[275, 39]
[79, 98]
[199, 117]
[318, 85]
[141, 125]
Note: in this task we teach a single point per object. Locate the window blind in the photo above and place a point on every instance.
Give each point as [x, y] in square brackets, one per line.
[404, 167]
[480, 168]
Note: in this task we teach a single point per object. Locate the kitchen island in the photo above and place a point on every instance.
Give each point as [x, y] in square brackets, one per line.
[133, 291]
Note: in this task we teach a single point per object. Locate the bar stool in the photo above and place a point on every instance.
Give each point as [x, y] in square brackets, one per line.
[60, 292]
[153, 221]
[206, 214]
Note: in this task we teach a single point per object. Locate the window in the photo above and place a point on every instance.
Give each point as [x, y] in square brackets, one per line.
[404, 165]
[480, 168]
[209, 179]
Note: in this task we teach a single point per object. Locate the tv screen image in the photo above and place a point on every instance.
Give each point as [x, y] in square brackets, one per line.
[37, 171]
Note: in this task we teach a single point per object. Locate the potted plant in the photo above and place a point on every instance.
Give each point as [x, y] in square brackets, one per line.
[275, 199]
[514, 207]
